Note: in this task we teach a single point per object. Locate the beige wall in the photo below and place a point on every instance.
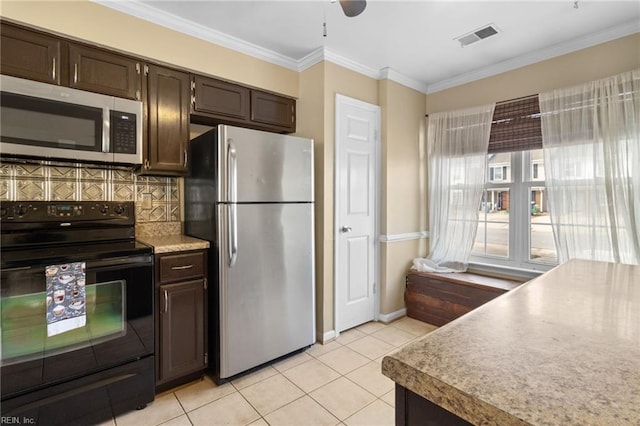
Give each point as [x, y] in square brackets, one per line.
[589, 64]
[87, 21]
[310, 123]
[403, 188]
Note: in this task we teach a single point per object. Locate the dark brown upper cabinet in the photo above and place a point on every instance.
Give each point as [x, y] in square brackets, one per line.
[101, 71]
[217, 98]
[273, 110]
[31, 55]
[167, 121]
[220, 102]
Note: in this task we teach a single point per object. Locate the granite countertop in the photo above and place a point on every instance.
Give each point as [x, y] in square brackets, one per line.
[173, 243]
[563, 349]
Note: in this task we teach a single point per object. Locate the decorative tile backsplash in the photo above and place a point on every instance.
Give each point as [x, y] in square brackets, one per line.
[34, 182]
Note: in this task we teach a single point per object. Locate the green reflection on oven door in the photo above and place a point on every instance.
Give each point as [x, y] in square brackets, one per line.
[24, 323]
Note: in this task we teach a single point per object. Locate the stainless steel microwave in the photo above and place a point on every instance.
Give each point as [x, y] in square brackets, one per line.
[53, 122]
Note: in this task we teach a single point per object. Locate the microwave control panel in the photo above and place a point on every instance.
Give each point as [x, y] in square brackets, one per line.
[123, 132]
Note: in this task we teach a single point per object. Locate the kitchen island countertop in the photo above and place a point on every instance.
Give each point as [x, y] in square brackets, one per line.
[173, 243]
[563, 349]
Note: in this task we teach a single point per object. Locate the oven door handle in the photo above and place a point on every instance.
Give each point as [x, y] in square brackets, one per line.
[121, 261]
[118, 261]
[21, 268]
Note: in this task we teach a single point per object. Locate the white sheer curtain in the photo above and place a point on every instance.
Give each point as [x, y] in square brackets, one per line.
[457, 144]
[591, 140]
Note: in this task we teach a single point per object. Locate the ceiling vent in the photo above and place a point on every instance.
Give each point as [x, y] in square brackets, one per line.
[477, 35]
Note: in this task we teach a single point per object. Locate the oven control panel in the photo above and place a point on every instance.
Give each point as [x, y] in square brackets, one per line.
[56, 211]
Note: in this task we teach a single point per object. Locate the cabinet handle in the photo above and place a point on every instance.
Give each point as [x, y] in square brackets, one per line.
[75, 73]
[166, 302]
[180, 268]
[186, 158]
[53, 68]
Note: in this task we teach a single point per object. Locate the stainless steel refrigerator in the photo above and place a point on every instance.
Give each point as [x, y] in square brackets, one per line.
[250, 193]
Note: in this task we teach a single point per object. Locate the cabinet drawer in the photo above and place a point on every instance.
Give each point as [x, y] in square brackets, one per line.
[182, 266]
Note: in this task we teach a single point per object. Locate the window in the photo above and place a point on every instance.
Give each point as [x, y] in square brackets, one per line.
[514, 227]
[498, 173]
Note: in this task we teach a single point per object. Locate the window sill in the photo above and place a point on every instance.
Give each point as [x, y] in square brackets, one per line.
[504, 271]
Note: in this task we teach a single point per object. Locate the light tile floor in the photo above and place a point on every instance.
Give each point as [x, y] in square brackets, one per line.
[339, 383]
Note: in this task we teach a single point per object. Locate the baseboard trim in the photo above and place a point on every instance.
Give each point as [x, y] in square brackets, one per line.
[326, 337]
[387, 318]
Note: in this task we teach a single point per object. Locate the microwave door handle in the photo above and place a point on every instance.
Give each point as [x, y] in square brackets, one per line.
[105, 130]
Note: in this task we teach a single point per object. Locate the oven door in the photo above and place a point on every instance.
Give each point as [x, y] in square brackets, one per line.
[118, 328]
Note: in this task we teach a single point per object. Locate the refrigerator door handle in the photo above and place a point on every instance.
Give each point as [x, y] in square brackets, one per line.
[233, 234]
[232, 167]
[232, 196]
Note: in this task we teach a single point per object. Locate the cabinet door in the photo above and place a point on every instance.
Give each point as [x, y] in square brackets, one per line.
[218, 98]
[31, 55]
[181, 329]
[168, 120]
[100, 71]
[273, 110]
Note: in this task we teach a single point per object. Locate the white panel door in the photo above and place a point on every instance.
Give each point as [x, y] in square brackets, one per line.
[355, 211]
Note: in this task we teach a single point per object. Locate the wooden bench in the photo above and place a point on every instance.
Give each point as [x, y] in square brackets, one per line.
[440, 298]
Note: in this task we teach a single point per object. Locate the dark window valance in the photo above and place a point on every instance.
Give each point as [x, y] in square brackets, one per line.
[516, 125]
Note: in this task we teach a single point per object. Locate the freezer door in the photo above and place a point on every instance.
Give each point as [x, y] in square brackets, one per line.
[267, 306]
[259, 166]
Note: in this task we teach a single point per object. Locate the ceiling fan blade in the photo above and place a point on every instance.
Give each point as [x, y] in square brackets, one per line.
[353, 8]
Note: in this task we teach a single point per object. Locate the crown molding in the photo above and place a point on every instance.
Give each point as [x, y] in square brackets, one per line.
[599, 37]
[315, 57]
[391, 74]
[168, 20]
[324, 54]
[148, 13]
[350, 64]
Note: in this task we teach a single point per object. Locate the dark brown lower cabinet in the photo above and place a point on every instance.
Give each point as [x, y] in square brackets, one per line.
[182, 335]
[181, 319]
[414, 410]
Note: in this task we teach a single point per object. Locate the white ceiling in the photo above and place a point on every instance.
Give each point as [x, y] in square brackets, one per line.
[412, 42]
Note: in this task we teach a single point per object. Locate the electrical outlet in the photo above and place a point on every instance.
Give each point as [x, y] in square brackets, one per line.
[146, 200]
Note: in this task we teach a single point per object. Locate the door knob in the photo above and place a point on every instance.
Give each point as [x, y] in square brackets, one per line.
[346, 229]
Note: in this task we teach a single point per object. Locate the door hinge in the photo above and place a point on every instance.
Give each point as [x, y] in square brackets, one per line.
[146, 70]
[138, 68]
[146, 164]
[138, 94]
[205, 283]
[206, 358]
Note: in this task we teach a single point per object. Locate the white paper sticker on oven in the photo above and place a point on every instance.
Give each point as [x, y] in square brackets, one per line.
[66, 297]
